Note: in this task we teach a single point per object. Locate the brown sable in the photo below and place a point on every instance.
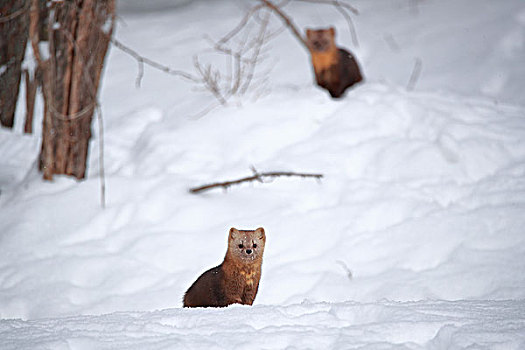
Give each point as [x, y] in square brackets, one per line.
[335, 68]
[236, 280]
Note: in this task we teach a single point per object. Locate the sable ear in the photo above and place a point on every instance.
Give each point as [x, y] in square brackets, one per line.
[308, 32]
[234, 233]
[260, 233]
[332, 31]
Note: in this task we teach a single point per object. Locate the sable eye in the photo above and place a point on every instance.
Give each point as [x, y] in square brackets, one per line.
[255, 245]
[241, 246]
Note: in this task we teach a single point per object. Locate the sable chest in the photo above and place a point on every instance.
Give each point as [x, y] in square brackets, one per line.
[250, 277]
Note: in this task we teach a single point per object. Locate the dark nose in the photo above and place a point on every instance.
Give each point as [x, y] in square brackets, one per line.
[248, 251]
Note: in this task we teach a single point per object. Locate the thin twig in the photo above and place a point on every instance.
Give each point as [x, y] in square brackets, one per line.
[391, 42]
[144, 60]
[338, 5]
[210, 79]
[287, 20]
[255, 177]
[240, 25]
[259, 42]
[101, 156]
[349, 273]
[416, 72]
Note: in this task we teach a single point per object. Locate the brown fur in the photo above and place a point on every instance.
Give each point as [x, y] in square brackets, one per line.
[236, 280]
[335, 68]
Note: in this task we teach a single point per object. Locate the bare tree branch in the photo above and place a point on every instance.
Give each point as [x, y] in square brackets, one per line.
[244, 21]
[241, 25]
[287, 20]
[210, 78]
[244, 58]
[144, 60]
[338, 5]
[255, 177]
[259, 42]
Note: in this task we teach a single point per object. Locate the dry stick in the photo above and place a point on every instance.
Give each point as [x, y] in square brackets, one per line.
[255, 177]
[242, 66]
[240, 25]
[416, 71]
[257, 50]
[144, 60]
[244, 22]
[391, 42]
[209, 77]
[287, 20]
[224, 49]
[351, 25]
[238, 73]
[210, 80]
[347, 270]
[101, 156]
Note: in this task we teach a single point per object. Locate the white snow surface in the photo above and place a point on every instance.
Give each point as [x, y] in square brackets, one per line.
[414, 238]
[348, 325]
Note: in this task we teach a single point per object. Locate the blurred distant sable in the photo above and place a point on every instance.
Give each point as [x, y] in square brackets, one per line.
[335, 69]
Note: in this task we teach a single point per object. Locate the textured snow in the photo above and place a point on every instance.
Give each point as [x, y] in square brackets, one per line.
[349, 325]
[413, 239]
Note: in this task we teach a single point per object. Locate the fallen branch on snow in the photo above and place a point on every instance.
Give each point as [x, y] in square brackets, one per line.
[255, 177]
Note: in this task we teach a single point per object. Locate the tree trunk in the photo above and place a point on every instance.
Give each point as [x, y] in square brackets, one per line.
[14, 23]
[79, 32]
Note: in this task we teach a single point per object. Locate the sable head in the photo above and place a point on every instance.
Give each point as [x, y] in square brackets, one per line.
[320, 40]
[245, 245]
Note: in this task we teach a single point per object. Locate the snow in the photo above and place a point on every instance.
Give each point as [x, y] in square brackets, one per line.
[413, 238]
[379, 325]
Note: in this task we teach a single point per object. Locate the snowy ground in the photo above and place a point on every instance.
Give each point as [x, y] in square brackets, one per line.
[423, 195]
[378, 325]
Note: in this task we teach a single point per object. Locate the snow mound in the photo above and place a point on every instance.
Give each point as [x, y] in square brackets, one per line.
[422, 198]
[381, 325]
